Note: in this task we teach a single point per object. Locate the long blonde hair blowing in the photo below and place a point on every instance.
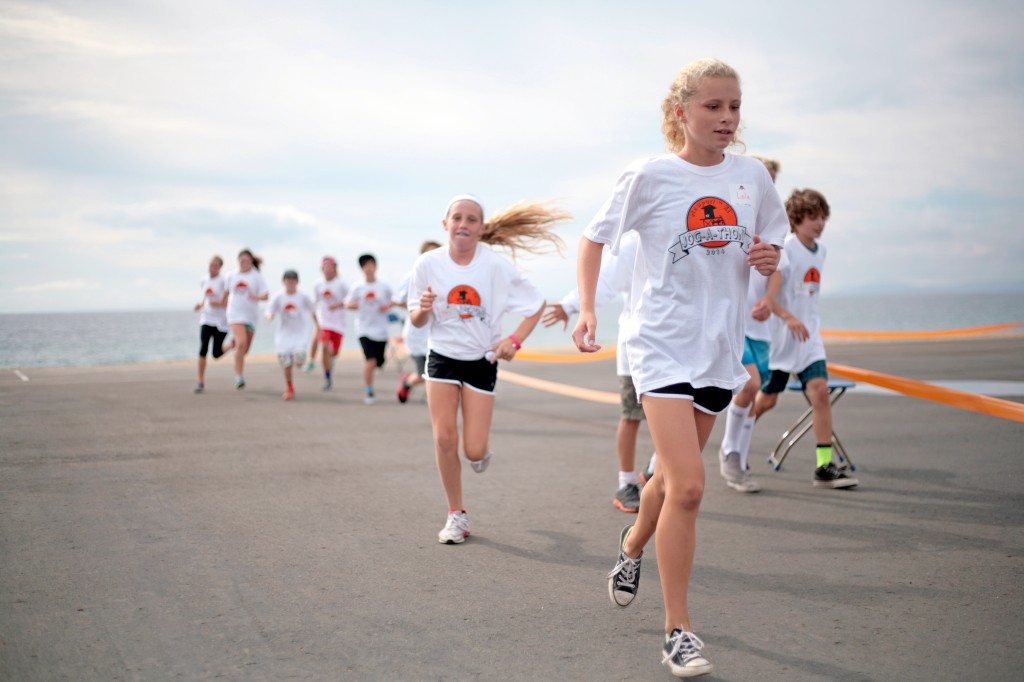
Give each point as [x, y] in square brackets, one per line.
[682, 91]
[526, 227]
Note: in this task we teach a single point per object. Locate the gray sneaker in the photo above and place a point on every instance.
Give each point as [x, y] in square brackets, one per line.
[627, 498]
[746, 484]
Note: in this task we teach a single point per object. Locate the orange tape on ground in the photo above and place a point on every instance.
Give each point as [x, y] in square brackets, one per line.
[995, 407]
[932, 334]
[576, 356]
[605, 397]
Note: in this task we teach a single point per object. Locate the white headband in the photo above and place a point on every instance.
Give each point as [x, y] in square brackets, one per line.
[464, 197]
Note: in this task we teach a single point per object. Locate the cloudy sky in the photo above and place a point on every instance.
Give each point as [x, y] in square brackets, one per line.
[139, 138]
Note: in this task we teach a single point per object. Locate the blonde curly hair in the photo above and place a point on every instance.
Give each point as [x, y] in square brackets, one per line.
[682, 90]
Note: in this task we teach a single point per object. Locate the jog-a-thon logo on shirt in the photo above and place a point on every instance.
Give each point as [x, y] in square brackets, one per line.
[464, 300]
[812, 281]
[712, 225]
[241, 287]
[290, 310]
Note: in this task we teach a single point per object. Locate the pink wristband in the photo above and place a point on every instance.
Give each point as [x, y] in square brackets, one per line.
[515, 342]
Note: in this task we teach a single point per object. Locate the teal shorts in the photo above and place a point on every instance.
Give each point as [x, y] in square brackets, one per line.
[777, 380]
[756, 353]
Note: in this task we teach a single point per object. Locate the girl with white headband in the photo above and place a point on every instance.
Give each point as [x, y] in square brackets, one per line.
[462, 291]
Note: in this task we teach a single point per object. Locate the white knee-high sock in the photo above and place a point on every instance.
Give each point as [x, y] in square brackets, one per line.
[748, 431]
[734, 417]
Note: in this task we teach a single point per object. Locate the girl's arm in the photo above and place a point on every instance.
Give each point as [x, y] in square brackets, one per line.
[507, 347]
[588, 265]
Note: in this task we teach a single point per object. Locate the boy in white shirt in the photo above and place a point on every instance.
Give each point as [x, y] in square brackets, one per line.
[294, 311]
[372, 299]
[415, 338]
[796, 345]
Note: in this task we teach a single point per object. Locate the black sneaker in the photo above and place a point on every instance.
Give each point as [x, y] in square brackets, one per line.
[648, 473]
[628, 498]
[831, 476]
[683, 654]
[624, 580]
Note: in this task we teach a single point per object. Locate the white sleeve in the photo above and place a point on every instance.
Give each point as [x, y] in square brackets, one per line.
[275, 305]
[523, 297]
[261, 284]
[620, 213]
[402, 291]
[350, 295]
[418, 282]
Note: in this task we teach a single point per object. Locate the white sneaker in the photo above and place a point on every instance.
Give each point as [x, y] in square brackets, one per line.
[481, 466]
[369, 400]
[729, 466]
[456, 530]
[746, 484]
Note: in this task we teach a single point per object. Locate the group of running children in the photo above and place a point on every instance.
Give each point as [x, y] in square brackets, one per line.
[720, 309]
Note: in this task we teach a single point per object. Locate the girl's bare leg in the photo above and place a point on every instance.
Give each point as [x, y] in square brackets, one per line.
[443, 403]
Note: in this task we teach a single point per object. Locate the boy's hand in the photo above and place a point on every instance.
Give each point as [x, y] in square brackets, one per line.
[555, 314]
[585, 333]
[797, 329]
[197, 308]
[269, 316]
[763, 257]
[427, 299]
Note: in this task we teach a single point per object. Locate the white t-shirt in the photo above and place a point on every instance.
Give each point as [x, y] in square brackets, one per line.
[615, 278]
[689, 289]
[801, 287]
[242, 309]
[471, 300]
[415, 337]
[294, 312]
[213, 289]
[370, 321]
[327, 294]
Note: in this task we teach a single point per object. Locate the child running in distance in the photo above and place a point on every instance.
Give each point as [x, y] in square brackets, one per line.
[704, 218]
[415, 338]
[462, 292]
[614, 279]
[246, 288]
[372, 298]
[213, 320]
[797, 347]
[294, 311]
[739, 418]
[314, 346]
[330, 293]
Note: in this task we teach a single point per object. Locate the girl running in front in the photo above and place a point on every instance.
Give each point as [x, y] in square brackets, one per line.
[704, 217]
[462, 291]
[246, 288]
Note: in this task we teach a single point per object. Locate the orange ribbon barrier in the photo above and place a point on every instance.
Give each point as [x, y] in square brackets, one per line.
[590, 394]
[995, 407]
[927, 334]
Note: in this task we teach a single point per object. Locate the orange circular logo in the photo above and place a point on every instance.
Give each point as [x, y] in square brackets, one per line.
[464, 294]
[709, 212]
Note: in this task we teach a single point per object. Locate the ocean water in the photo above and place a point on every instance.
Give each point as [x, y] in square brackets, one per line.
[105, 338]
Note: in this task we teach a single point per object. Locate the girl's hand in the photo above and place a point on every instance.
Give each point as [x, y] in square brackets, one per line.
[584, 333]
[427, 299]
[763, 257]
[504, 350]
[253, 297]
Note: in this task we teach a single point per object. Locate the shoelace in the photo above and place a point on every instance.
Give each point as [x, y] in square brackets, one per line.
[625, 570]
[687, 645]
[456, 522]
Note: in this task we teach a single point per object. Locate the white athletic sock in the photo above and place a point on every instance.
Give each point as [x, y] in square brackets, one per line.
[748, 431]
[627, 477]
[733, 427]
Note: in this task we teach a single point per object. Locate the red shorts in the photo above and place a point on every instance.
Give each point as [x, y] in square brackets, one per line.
[333, 338]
